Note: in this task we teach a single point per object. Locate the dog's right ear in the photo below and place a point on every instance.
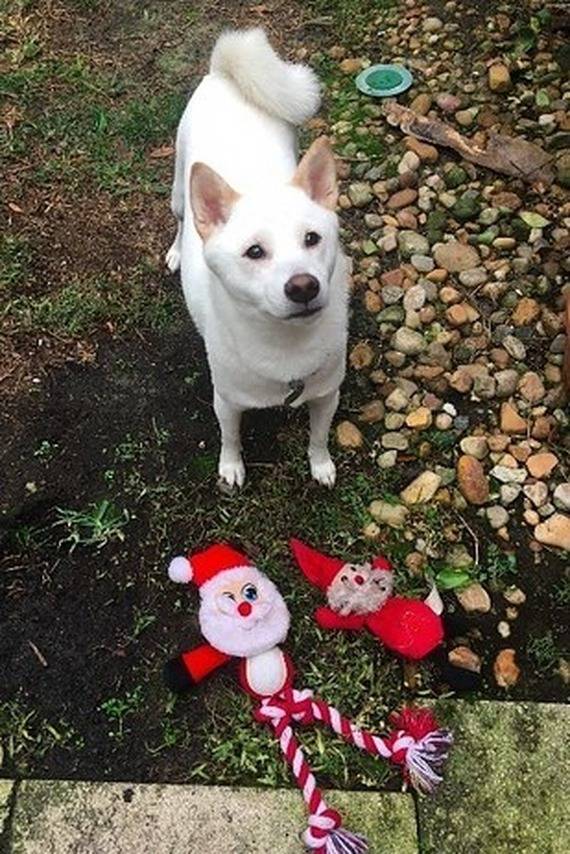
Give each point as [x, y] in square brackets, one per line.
[316, 174]
[211, 199]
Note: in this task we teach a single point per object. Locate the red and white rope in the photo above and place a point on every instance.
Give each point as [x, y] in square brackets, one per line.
[416, 743]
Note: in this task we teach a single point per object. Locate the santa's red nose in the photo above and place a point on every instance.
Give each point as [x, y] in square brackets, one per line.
[244, 608]
[359, 579]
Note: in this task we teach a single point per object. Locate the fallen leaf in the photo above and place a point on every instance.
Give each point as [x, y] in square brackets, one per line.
[162, 151]
[534, 220]
[505, 154]
[15, 208]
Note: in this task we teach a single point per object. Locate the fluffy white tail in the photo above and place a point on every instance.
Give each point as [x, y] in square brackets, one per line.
[283, 89]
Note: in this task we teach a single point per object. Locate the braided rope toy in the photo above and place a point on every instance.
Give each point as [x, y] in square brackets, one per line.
[416, 743]
[243, 615]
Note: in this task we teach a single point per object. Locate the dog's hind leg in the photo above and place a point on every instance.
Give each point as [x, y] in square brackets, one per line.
[230, 468]
[177, 207]
[321, 411]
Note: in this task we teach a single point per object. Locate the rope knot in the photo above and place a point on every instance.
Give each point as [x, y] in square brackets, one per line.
[289, 705]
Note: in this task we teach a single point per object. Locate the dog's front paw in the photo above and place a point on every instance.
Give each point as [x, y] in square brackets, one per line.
[231, 473]
[324, 472]
[173, 257]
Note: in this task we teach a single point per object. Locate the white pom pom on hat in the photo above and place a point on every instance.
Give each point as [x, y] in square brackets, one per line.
[180, 570]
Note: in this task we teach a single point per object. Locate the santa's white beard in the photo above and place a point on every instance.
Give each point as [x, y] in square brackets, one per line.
[233, 634]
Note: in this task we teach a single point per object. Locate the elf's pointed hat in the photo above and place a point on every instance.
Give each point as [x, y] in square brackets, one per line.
[320, 569]
[204, 565]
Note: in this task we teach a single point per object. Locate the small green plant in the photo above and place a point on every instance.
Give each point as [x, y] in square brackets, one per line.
[498, 566]
[98, 525]
[528, 32]
[561, 592]
[117, 709]
[141, 622]
[46, 451]
[544, 652]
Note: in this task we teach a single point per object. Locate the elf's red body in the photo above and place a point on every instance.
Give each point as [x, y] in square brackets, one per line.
[408, 627]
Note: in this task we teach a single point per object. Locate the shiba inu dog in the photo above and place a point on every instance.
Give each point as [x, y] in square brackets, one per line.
[257, 245]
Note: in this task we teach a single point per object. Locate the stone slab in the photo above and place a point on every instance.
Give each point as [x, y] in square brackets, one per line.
[6, 787]
[507, 783]
[112, 818]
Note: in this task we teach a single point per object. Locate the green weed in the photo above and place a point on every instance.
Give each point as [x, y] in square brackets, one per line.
[99, 524]
[497, 567]
[544, 652]
[118, 709]
[46, 451]
[142, 620]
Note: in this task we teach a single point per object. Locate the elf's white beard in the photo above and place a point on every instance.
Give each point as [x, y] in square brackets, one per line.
[233, 634]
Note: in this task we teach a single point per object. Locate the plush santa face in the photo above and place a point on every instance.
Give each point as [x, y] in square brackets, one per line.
[359, 589]
[242, 613]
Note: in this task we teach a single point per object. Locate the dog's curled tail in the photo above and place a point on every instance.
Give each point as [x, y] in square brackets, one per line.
[283, 89]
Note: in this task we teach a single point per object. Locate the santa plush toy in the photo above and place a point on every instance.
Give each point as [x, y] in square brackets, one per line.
[360, 597]
[243, 616]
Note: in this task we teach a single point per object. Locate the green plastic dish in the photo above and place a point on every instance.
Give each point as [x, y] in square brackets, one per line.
[383, 81]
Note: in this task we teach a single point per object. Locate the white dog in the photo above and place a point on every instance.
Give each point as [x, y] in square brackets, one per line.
[257, 244]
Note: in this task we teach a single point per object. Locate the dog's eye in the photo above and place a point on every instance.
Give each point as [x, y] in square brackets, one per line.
[255, 252]
[312, 238]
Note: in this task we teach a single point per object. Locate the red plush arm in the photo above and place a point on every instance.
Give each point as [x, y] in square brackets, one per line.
[189, 668]
[202, 661]
[329, 619]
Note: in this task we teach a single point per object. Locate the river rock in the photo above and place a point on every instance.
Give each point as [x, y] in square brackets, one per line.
[472, 480]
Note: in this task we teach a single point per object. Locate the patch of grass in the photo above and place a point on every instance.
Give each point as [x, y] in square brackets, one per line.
[99, 524]
[26, 737]
[79, 307]
[118, 709]
[82, 123]
[15, 255]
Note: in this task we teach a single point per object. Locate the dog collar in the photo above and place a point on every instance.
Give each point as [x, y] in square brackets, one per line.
[296, 389]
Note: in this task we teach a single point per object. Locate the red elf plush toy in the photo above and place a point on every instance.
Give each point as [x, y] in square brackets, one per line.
[243, 616]
[360, 596]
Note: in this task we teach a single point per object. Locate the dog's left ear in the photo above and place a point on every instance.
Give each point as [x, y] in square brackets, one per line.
[316, 174]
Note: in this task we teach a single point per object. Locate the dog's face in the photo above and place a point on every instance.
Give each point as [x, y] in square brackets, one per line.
[274, 250]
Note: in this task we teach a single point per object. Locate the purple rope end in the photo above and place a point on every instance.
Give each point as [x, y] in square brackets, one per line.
[425, 760]
[340, 841]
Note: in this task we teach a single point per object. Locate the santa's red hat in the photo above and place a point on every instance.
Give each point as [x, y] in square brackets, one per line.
[320, 569]
[204, 565]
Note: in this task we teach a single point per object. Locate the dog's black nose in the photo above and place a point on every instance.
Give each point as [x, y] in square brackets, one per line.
[302, 288]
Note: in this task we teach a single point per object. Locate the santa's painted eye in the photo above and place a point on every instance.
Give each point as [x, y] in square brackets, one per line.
[249, 592]
[344, 578]
[229, 595]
